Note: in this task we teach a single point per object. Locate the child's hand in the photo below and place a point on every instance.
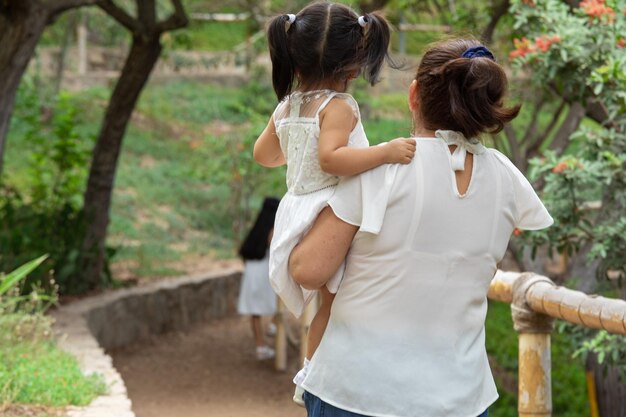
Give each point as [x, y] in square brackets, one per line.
[400, 151]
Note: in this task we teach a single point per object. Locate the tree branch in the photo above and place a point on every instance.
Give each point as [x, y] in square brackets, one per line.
[146, 12]
[597, 111]
[498, 11]
[59, 6]
[119, 14]
[177, 20]
[531, 130]
[516, 154]
[569, 125]
[534, 147]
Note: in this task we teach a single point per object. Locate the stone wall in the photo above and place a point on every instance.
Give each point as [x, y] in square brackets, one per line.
[88, 327]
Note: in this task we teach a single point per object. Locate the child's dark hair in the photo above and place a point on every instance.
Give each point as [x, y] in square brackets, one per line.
[256, 243]
[462, 90]
[326, 41]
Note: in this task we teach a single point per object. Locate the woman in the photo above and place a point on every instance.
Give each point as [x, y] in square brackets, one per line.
[406, 331]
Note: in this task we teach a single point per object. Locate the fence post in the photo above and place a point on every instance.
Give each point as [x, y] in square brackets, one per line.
[534, 377]
[280, 346]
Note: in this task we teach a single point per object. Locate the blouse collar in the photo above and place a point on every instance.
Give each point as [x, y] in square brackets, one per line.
[463, 145]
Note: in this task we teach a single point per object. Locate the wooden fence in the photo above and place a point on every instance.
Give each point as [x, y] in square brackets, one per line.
[535, 302]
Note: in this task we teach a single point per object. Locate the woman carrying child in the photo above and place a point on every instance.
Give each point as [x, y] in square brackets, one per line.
[316, 130]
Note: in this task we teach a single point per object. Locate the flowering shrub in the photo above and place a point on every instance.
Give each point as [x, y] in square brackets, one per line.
[578, 53]
[575, 53]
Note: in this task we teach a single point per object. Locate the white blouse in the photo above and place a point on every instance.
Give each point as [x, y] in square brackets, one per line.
[406, 332]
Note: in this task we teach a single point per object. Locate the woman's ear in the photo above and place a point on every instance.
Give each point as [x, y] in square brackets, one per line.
[414, 96]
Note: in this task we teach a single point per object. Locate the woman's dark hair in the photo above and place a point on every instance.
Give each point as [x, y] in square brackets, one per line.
[256, 243]
[326, 41]
[462, 94]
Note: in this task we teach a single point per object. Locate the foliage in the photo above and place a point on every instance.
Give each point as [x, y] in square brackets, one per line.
[32, 369]
[40, 209]
[607, 348]
[21, 316]
[579, 53]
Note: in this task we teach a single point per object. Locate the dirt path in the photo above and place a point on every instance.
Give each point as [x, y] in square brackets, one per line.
[210, 371]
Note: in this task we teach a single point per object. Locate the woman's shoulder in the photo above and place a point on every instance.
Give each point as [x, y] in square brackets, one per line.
[504, 162]
[507, 166]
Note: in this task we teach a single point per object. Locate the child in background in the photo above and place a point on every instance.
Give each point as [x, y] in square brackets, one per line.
[256, 297]
[316, 130]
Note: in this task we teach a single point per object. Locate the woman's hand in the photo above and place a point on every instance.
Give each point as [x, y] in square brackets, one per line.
[399, 151]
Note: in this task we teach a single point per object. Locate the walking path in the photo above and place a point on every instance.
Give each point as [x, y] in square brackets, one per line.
[209, 371]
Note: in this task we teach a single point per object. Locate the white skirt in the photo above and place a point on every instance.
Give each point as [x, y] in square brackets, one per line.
[256, 296]
[294, 218]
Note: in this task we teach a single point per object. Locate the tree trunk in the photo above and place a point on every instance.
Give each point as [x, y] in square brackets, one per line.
[610, 388]
[21, 26]
[141, 59]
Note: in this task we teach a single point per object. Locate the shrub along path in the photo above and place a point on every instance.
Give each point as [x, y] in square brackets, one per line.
[209, 371]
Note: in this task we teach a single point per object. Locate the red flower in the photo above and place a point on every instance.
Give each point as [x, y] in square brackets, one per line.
[559, 168]
[529, 3]
[523, 47]
[517, 232]
[596, 9]
[544, 42]
[621, 43]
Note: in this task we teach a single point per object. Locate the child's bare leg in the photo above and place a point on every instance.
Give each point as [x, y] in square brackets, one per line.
[257, 330]
[318, 325]
[314, 337]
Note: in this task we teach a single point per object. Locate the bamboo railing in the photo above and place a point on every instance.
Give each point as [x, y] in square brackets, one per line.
[535, 302]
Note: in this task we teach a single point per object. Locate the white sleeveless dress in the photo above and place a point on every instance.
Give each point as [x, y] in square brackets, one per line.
[308, 187]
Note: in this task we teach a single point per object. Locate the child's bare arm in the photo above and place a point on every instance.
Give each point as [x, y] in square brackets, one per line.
[336, 158]
[267, 150]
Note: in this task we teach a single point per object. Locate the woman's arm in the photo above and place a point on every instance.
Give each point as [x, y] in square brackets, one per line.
[336, 122]
[267, 150]
[318, 256]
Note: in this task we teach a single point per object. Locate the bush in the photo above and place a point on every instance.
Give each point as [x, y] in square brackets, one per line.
[41, 209]
[580, 53]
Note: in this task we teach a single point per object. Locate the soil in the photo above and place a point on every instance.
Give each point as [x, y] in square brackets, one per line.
[25, 410]
[210, 370]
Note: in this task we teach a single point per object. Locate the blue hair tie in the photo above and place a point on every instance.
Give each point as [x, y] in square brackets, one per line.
[478, 52]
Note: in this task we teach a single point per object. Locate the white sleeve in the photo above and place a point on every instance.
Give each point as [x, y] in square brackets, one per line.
[361, 200]
[530, 213]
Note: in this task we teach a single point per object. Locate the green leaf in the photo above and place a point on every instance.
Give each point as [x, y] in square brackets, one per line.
[14, 277]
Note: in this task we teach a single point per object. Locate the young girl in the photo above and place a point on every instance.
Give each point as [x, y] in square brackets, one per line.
[316, 130]
[256, 297]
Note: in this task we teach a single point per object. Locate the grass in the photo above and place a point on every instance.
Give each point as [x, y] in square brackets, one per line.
[33, 370]
[216, 36]
[40, 373]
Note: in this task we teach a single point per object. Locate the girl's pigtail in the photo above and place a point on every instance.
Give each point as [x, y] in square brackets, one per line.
[283, 70]
[377, 35]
